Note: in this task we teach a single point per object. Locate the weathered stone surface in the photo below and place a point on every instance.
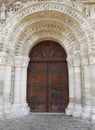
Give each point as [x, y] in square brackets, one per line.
[22, 25]
[46, 122]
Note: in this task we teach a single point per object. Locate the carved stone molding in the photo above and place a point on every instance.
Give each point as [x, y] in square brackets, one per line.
[25, 62]
[84, 61]
[18, 61]
[70, 61]
[9, 60]
[21, 61]
[76, 62]
[54, 7]
[2, 60]
[92, 59]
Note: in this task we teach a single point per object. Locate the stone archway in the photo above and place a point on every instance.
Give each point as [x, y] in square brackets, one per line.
[51, 21]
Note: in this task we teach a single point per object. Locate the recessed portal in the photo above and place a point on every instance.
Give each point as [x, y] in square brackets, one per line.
[47, 85]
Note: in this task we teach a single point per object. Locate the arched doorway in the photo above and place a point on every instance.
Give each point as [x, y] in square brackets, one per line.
[47, 80]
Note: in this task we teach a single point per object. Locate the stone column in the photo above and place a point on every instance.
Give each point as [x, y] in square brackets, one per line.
[86, 113]
[17, 87]
[78, 89]
[92, 79]
[2, 74]
[7, 87]
[70, 108]
[24, 105]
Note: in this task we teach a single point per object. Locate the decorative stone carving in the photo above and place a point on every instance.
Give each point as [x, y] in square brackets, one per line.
[70, 61]
[25, 62]
[92, 59]
[76, 62]
[84, 61]
[21, 61]
[18, 61]
[55, 7]
[3, 9]
[9, 60]
[2, 60]
[92, 12]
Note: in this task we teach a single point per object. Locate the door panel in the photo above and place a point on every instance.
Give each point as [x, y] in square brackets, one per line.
[36, 93]
[58, 87]
[47, 88]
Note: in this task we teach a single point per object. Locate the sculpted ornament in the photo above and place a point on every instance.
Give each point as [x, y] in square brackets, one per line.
[76, 62]
[25, 61]
[18, 61]
[70, 61]
[21, 61]
[9, 61]
[84, 61]
[92, 59]
[3, 9]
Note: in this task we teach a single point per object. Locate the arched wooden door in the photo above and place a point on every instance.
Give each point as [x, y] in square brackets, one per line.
[47, 82]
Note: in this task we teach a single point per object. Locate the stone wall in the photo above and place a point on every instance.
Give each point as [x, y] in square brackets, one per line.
[71, 24]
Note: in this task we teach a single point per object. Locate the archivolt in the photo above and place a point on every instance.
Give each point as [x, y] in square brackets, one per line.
[47, 26]
[77, 30]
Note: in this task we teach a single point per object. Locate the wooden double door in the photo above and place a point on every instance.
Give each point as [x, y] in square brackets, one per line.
[47, 87]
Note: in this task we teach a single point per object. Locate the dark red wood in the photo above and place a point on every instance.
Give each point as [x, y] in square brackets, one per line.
[47, 82]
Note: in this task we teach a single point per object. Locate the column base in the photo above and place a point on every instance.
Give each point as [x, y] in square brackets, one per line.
[69, 109]
[93, 118]
[1, 112]
[93, 115]
[19, 110]
[25, 110]
[86, 113]
[7, 111]
[77, 110]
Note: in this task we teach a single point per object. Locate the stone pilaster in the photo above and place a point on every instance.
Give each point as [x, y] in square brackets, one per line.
[20, 106]
[92, 78]
[7, 87]
[86, 113]
[70, 108]
[78, 89]
[17, 87]
[24, 105]
[2, 72]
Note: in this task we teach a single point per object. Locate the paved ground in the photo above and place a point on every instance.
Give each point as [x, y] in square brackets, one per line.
[46, 122]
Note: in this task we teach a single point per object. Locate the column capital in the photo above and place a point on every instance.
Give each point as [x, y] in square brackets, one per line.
[25, 61]
[9, 61]
[5, 60]
[18, 61]
[84, 61]
[69, 61]
[92, 59]
[76, 62]
[21, 61]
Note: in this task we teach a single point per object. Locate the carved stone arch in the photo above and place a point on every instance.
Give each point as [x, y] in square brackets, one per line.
[58, 37]
[22, 33]
[49, 27]
[28, 10]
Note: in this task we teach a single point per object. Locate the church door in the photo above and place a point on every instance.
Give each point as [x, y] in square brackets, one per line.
[47, 80]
